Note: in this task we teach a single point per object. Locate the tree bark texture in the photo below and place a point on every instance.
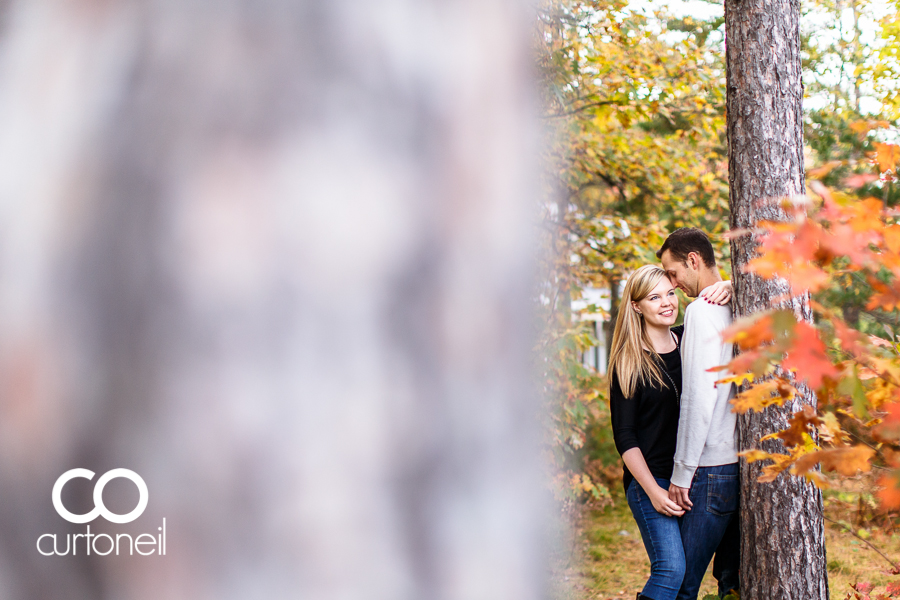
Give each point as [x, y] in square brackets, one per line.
[783, 543]
[273, 256]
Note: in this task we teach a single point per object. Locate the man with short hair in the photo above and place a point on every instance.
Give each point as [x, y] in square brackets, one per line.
[705, 481]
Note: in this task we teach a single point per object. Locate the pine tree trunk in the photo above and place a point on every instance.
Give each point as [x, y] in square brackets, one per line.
[274, 256]
[783, 537]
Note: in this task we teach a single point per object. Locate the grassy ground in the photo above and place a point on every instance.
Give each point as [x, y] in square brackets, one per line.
[604, 558]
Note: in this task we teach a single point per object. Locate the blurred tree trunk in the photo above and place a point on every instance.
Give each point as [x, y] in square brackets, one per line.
[610, 324]
[783, 536]
[274, 256]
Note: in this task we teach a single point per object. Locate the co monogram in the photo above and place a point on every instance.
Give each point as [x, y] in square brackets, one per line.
[99, 508]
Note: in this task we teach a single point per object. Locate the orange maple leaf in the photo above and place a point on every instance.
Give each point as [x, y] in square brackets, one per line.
[756, 362]
[866, 215]
[844, 240]
[751, 332]
[886, 297]
[761, 395]
[891, 236]
[801, 424]
[820, 172]
[806, 241]
[886, 156]
[881, 393]
[865, 126]
[893, 413]
[781, 462]
[806, 355]
[767, 266]
[889, 494]
[789, 250]
[846, 460]
[889, 429]
[806, 277]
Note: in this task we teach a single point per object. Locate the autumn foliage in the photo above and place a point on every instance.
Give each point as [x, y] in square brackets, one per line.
[866, 591]
[836, 240]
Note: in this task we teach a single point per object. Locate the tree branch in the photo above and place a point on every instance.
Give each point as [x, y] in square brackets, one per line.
[867, 542]
[580, 109]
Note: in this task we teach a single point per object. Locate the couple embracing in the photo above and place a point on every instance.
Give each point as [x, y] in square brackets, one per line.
[673, 424]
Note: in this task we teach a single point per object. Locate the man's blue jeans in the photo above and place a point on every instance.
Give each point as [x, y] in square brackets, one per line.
[662, 539]
[712, 526]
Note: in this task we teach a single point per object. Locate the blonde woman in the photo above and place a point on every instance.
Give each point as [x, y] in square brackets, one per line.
[645, 392]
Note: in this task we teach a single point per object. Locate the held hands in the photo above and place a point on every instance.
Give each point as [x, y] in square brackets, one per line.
[718, 293]
[680, 496]
[663, 504]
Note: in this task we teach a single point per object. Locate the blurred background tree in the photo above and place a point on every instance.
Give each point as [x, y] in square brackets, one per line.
[275, 257]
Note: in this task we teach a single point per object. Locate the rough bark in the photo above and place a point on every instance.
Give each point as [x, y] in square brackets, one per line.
[783, 544]
[274, 256]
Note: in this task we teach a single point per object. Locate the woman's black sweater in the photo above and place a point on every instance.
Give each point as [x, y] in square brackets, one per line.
[649, 419]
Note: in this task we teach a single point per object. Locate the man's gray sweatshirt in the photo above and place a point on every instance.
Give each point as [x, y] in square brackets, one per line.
[706, 425]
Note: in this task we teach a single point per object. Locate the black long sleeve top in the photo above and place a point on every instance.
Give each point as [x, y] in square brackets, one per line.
[649, 418]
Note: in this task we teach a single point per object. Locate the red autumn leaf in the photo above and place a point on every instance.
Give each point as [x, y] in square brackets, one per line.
[805, 242]
[893, 413]
[750, 332]
[864, 587]
[843, 240]
[853, 227]
[750, 361]
[877, 341]
[859, 180]
[851, 340]
[807, 277]
[886, 297]
[893, 588]
[767, 266]
[807, 357]
[790, 250]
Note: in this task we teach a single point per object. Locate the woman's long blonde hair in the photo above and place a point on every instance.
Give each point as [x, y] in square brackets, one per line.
[627, 359]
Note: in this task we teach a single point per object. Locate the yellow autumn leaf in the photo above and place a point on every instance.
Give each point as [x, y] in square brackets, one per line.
[738, 379]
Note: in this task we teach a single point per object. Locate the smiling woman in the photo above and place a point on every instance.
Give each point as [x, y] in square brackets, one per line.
[659, 310]
[645, 390]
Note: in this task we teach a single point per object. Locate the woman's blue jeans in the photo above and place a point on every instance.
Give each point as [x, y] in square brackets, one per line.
[662, 539]
[711, 526]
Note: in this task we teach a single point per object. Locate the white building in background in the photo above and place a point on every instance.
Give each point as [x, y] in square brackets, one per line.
[594, 357]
